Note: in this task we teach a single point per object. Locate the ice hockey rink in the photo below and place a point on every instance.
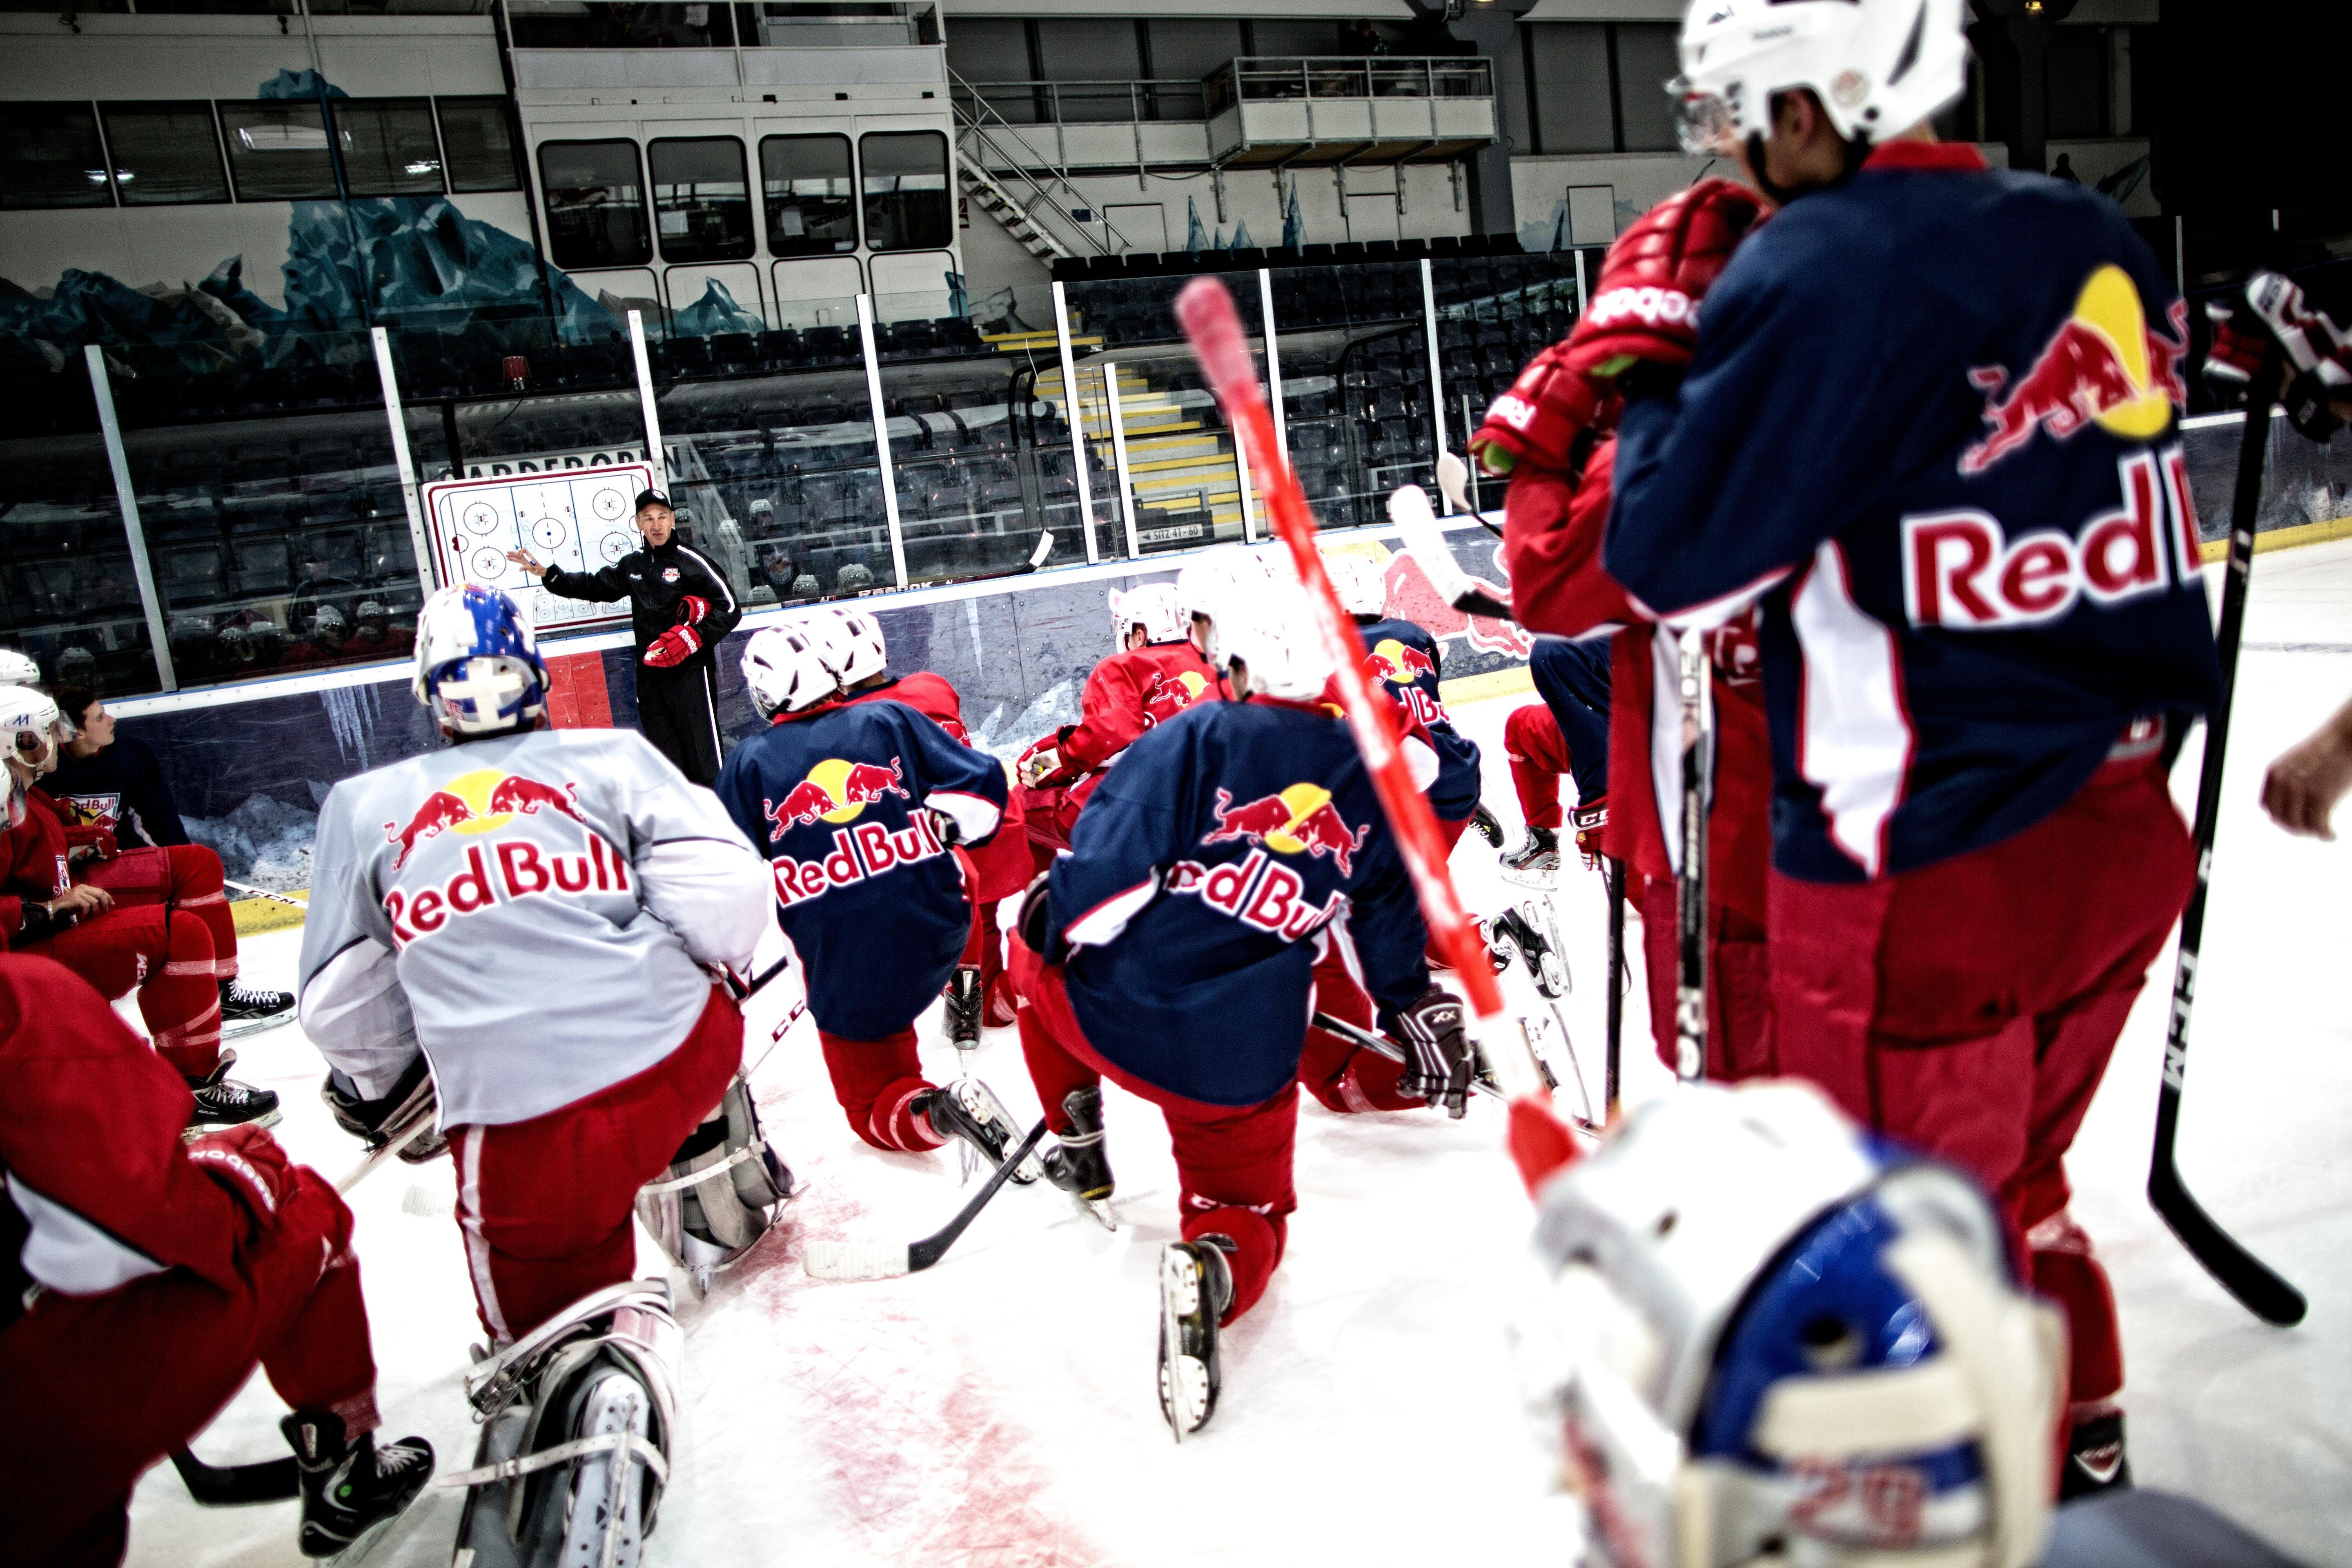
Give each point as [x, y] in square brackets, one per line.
[999, 1409]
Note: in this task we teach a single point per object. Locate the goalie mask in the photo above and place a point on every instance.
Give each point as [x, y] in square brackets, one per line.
[1767, 1336]
[478, 665]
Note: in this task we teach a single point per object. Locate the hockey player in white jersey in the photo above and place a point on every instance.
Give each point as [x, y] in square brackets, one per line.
[534, 915]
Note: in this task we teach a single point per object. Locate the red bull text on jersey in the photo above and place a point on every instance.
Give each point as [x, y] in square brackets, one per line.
[1931, 421]
[1403, 656]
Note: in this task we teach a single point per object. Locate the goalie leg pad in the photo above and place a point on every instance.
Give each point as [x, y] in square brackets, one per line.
[722, 1189]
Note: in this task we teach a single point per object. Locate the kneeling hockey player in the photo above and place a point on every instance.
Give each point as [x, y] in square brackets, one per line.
[529, 913]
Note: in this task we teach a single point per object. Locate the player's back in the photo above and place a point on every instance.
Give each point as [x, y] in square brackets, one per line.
[1936, 406]
[503, 874]
[927, 692]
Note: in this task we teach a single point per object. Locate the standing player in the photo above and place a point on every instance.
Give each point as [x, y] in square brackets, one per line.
[680, 609]
[1984, 623]
[532, 910]
[1173, 951]
[849, 643]
[122, 930]
[143, 1277]
[1567, 733]
[856, 808]
[1157, 672]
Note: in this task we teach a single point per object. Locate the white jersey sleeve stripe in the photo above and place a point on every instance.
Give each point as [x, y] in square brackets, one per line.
[975, 815]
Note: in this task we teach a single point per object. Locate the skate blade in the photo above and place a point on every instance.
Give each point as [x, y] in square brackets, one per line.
[1104, 1215]
[980, 1102]
[267, 1118]
[852, 1260]
[1542, 882]
[368, 1540]
[1183, 1379]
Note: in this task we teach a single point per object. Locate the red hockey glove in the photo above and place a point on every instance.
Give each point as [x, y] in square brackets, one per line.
[248, 1163]
[673, 647]
[691, 609]
[83, 839]
[2236, 354]
[1645, 308]
[1438, 1056]
[1589, 818]
[2318, 356]
[1536, 422]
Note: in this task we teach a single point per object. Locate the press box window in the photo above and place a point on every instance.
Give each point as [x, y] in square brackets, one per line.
[595, 204]
[277, 151]
[164, 154]
[811, 194]
[52, 157]
[702, 198]
[906, 189]
[477, 144]
[388, 146]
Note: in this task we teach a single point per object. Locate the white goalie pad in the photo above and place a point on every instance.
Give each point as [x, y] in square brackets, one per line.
[722, 1191]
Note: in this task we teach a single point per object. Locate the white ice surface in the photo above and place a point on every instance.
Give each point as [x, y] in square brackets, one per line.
[999, 1409]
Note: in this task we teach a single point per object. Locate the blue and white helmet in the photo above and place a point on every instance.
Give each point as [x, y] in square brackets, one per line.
[1761, 1326]
[478, 665]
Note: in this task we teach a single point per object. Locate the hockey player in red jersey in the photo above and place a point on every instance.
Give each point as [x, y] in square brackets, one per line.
[1924, 418]
[152, 919]
[850, 644]
[143, 1277]
[1157, 672]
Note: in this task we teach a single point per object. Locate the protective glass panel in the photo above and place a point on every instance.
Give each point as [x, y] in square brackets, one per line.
[388, 146]
[906, 186]
[478, 140]
[164, 154]
[51, 157]
[595, 204]
[702, 198]
[811, 202]
[971, 493]
[277, 151]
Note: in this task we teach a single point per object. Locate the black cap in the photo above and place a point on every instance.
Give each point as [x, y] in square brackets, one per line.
[653, 498]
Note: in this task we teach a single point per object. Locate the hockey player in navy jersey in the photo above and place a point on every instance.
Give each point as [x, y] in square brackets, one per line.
[855, 808]
[1173, 951]
[1566, 733]
[1926, 417]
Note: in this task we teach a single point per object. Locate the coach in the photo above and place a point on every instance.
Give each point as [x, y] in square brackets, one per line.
[681, 608]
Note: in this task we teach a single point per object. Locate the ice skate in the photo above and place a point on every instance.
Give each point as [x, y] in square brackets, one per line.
[1539, 948]
[221, 1103]
[1078, 1164]
[1536, 863]
[353, 1491]
[1196, 1285]
[964, 1008]
[249, 1010]
[1484, 823]
[968, 1110]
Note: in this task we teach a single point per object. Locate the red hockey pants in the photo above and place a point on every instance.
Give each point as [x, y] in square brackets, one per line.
[1968, 1009]
[876, 1083]
[1539, 755]
[1739, 984]
[1233, 1163]
[182, 877]
[168, 956]
[544, 1204]
[1343, 1077]
[96, 1388]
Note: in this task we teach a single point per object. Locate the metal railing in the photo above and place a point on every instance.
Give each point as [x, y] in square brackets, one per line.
[988, 142]
[1260, 76]
[1087, 102]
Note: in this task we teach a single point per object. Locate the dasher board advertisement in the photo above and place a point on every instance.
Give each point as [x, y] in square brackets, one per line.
[582, 520]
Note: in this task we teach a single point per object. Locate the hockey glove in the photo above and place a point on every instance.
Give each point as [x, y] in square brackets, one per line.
[84, 841]
[1041, 765]
[376, 1122]
[1438, 1058]
[1034, 924]
[1644, 309]
[248, 1162]
[2315, 349]
[950, 831]
[691, 609]
[673, 647]
[1535, 424]
[1589, 819]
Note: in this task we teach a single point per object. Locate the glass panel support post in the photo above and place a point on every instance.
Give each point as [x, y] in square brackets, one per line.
[881, 436]
[401, 459]
[656, 456]
[1077, 421]
[1119, 459]
[102, 393]
[1273, 360]
[1436, 377]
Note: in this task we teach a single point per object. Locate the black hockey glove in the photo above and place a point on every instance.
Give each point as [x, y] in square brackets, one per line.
[2274, 324]
[376, 1122]
[1438, 1058]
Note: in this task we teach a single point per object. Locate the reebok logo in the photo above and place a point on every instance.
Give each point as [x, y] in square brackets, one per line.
[1649, 306]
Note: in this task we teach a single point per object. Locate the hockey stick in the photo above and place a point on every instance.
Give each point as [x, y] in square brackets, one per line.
[1540, 1142]
[1613, 1059]
[1381, 1045]
[1036, 559]
[262, 893]
[1695, 687]
[2255, 1284]
[876, 1260]
[234, 1486]
[1454, 478]
[1424, 540]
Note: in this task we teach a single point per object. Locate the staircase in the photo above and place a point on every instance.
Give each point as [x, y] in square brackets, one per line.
[1187, 486]
[989, 198]
[1018, 185]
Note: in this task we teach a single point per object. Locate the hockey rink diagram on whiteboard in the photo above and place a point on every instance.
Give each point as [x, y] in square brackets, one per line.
[582, 520]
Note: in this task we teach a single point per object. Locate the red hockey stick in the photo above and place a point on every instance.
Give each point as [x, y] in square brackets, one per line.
[1539, 1141]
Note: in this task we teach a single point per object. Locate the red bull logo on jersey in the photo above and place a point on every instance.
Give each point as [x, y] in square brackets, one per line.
[1301, 820]
[1413, 597]
[1257, 891]
[2104, 366]
[834, 791]
[868, 849]
[1962, 571]
[1397, 662]
[482, 801]
[1170, 694]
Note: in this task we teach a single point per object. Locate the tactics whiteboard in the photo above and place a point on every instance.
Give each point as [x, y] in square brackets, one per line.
[579, 518]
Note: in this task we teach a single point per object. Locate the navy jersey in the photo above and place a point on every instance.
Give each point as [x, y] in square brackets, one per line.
[1572, 679]
[865, 887]
[1198, 878]
[1931, 418]
[1404, 656]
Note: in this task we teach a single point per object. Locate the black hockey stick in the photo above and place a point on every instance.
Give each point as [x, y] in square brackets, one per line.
[1381, 1045]
[1694, 689]
[2260, 1289]
[1614, 1060]
[234, 1486]
[1036, 559]
[876, 1260]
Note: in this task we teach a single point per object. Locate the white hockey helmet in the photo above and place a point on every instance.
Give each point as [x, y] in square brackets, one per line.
[476, 663]
[785, 669]
[329, 623]
[1151, 607]
[1362, 586]
[1270, 628]
[35, 727]
[1213, 577]
[1879, 66]
[17, 668]
[851, 644]
[1759, 1327]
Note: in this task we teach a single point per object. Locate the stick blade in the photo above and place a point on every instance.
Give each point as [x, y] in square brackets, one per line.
[1454, 478]
[2257, 1287]
[1044, 548]
[854, 1260]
